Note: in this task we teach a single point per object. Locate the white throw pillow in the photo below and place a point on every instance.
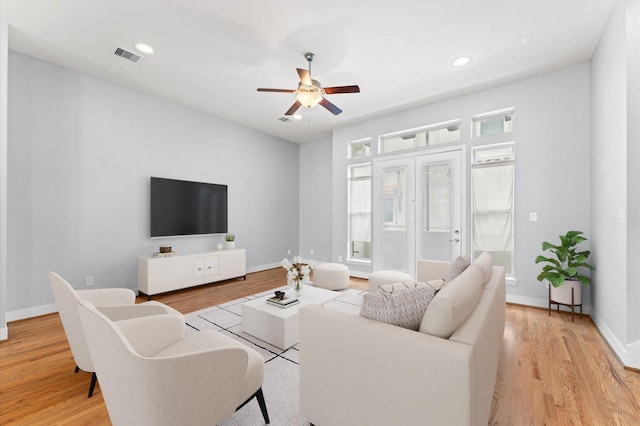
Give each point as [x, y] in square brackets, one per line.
[404, 308]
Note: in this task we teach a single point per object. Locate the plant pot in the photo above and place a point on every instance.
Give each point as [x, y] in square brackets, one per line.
[562, 294]
[229, 245]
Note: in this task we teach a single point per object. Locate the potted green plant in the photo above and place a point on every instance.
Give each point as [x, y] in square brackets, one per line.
[562, 270]
[230, 241]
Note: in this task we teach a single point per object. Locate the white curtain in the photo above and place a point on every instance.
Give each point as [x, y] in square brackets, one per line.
[360, 210]
[492, 188]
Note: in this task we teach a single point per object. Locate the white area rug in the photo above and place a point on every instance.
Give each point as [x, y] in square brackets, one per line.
[281, 372]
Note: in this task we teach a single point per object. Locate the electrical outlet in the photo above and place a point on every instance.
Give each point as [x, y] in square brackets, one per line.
[533, 217]
[340, 259]
[311, 251]
[622, 215]
[88, 281]
[289, 251]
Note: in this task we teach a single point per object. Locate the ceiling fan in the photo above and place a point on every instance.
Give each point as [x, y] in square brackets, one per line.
[311, 93]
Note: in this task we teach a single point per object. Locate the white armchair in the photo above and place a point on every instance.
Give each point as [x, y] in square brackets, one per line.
[116, 303]
[152, 374]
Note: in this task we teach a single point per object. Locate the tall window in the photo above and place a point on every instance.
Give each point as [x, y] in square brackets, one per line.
[492, 201]
[360, 212]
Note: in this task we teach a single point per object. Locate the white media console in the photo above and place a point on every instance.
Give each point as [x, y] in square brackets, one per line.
[161, 274]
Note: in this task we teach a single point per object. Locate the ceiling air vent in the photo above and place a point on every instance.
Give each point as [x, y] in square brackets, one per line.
[123, 53]
[284, 119]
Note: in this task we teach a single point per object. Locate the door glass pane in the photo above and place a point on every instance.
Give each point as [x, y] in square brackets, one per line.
[436, 211]
[394, 207]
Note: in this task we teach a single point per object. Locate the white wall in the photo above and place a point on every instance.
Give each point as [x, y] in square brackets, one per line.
[315, 200]
[552, 166]
[81, 152]
[4, 51]
[633, 171]
[614, 180]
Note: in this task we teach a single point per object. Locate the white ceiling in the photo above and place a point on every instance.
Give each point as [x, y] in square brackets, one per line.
[211, 55]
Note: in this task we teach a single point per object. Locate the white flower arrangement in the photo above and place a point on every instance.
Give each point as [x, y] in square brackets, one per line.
[298, 271]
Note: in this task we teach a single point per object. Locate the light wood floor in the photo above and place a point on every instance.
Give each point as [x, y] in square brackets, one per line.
[552, 371]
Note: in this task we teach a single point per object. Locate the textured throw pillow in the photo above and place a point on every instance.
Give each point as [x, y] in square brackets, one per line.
[456, 267]
[400, 286]
[436, 284]
[404, 308]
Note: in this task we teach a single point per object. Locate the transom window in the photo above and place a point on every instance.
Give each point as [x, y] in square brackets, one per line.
[423, 136]
[360, 148]
[493, 123]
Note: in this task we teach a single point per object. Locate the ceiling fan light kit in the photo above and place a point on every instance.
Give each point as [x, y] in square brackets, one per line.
[311, 93]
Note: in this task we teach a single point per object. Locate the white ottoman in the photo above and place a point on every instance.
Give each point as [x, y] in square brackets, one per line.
[386, 277]
[331, 276]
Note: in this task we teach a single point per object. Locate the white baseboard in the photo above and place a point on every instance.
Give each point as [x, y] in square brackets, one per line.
[4, 333]
[264, 267]
[31, 312]
[633, 360]
[359, 274]
[527, 301]
[629, 354]
[540, 303]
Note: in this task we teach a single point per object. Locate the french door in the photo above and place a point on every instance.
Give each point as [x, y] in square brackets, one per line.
[417, 209]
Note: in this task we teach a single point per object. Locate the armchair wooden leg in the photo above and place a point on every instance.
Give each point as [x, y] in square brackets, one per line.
[77, 369]
[263, 406]
[94, 378]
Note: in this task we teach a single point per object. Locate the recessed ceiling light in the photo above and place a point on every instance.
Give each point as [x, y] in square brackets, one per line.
[462, 60]
[144, 48]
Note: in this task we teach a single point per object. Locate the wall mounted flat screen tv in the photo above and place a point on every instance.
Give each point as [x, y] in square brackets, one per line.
[181, 207]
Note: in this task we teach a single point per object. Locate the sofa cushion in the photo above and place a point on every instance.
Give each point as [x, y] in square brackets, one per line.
[453, 304]
[485, 262]
[456, 267]
[404, 308]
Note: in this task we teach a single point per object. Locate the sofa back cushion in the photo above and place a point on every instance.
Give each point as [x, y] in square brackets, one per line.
[453, 303]
[485, 261]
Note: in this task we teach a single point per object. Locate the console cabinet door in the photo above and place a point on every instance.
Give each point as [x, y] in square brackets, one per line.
[211, 268]
[233, 264]
[167, 274]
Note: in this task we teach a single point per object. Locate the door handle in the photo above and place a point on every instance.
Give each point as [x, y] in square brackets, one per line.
[455, 240]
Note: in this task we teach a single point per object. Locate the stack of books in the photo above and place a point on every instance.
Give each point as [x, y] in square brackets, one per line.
[165, 254]
[284, 302]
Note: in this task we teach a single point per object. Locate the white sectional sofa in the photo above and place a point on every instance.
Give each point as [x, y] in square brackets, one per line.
[357, 371]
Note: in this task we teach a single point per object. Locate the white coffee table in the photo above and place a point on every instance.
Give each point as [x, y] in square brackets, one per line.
[279, 326]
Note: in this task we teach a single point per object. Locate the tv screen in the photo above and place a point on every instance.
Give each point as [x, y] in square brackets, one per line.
[181, 207]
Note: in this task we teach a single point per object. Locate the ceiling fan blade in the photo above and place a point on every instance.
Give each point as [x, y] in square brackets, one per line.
[293, 108]
[331, 107]
[342, 89]
[305, 77]
[260, 89]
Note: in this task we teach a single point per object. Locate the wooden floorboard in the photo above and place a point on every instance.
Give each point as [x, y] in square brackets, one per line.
[552, 371]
